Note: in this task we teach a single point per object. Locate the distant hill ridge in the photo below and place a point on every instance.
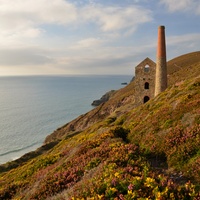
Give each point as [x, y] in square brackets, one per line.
[183, 61]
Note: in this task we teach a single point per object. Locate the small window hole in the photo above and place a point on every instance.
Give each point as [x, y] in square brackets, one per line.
[146, 68]
[146, 85]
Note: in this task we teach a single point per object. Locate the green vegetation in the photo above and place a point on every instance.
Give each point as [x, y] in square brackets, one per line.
[148, 152]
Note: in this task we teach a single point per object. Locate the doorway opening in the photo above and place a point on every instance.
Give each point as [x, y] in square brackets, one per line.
[146, 98]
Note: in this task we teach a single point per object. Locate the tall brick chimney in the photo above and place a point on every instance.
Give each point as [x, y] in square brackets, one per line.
[161, 64]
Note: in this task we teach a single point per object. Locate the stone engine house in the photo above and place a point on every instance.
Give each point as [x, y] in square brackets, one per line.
[150, 77]
[144, 81]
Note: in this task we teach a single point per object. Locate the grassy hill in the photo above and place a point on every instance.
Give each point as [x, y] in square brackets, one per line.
[119, 151]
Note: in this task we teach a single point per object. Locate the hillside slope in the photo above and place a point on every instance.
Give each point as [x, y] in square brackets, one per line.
[117, 151]
[180, 68]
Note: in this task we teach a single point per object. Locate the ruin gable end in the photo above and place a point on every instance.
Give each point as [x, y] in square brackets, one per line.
[144, 81]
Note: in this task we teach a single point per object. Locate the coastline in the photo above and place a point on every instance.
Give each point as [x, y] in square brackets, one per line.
[59, 114]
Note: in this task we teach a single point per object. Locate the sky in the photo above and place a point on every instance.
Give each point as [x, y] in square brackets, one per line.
[67, 37]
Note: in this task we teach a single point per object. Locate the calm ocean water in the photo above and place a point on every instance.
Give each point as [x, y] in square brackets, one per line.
[32, 107]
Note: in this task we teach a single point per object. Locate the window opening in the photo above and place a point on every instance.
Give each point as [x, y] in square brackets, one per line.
[146, 85]
[146, 68]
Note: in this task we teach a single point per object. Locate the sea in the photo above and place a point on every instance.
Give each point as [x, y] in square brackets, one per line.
[32, 107]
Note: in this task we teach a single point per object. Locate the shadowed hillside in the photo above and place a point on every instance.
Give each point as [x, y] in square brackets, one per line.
[118, 151]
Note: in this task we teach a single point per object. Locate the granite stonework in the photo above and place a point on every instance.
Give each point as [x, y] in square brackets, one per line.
[144, 81]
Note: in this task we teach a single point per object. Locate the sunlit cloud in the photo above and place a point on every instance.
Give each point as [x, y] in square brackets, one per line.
[117, 18]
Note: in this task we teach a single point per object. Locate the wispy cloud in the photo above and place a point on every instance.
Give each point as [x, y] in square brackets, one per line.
[181, 44]
[24, 57]
[182, 6]
[182, 39]
[87, 43]
[117, 18]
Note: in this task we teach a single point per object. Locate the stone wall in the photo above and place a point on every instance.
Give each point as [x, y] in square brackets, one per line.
[144, 81]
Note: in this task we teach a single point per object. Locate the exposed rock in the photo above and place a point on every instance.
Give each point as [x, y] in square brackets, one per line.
[124, 98]
[132, 79]
[103, 99]
[124, 83]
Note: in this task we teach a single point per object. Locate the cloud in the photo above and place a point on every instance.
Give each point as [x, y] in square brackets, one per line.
[87, 43]
[181, 44]
[83, 36]
[183, 5]
[26, 26]
[37, 11]
[106, 59]
[198, 9]
[123, 59]
[24, 18]
[102, 64]
[116, 18]
[21, 20]
[24, 57]
[20, 15]
[182, 39]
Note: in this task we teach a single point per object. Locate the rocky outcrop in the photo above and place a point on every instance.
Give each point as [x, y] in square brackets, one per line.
[121, 97]
[103, 99]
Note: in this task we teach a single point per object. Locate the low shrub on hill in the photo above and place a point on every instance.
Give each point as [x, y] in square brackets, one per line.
[103, 167]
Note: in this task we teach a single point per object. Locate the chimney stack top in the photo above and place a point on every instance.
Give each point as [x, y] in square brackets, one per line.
[162, 27]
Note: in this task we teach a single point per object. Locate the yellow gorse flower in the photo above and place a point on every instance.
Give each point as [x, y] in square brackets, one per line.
[117, 174]
[100, 196]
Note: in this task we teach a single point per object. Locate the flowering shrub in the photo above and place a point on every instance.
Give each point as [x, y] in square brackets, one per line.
[126, 175]
[120, 184]
[182, 144]
[89, 155]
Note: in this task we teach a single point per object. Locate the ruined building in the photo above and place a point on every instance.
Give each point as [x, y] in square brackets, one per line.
[150, 77]
[144, 81]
